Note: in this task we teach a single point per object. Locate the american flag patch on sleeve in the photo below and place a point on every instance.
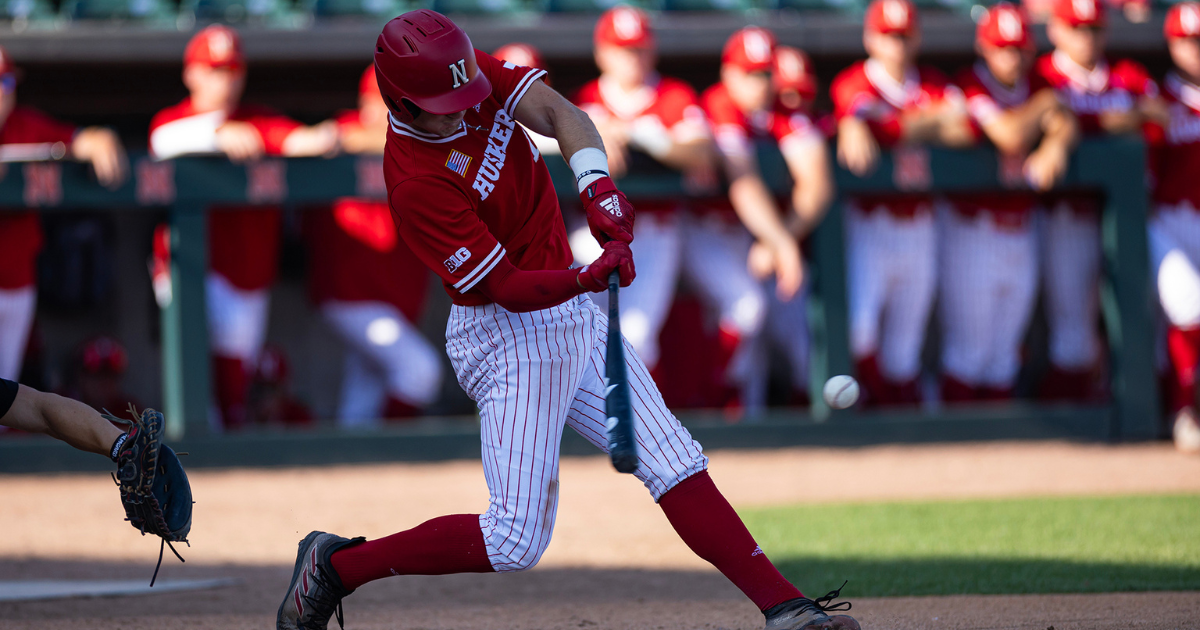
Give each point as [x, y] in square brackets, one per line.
[458, 163]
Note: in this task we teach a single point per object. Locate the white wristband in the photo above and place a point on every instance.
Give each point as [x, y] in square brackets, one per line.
[589, 164]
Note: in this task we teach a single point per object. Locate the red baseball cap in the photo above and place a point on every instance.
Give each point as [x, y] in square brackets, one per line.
[1183, 20]
[627, 27]
[1080, 12]
[1004, 25]
[892, 17]
[793, 70]
[521, 55]
[751, 49]
[216, 47]
[368, 84]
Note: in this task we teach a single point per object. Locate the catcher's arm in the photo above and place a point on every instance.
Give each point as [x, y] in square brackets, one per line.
[62, 418]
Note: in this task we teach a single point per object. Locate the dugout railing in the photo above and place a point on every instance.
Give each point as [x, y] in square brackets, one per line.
[188, 187]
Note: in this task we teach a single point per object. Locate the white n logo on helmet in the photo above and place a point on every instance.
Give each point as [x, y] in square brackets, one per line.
[758, 47]
[1084, 9]
[458, 71]
[627, 23]
[1189, 19]
[1009, 24]
[896, 13]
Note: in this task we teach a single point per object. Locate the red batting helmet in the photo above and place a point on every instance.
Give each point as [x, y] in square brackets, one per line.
[1080, 12]
[1183, 20]
[624, 26]
[892, 17]
[216, 47]
[793, 70]
[1004, 25]
[751, 49]
[424, 58]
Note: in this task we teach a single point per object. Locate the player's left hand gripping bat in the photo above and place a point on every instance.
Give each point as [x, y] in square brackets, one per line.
[619, 422]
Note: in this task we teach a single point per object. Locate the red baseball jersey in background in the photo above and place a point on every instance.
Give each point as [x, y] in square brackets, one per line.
[987, 98]
[865, 90]
[1177, 158]
[1107, 87]
[671, 102]
[21, 232]
[357, 256]
[736, 133]
[243, 240]
[464, 202]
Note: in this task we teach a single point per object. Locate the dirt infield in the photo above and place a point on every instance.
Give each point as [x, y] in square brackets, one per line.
[615, 563]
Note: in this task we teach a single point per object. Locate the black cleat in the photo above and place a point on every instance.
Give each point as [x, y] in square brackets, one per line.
[316, 591]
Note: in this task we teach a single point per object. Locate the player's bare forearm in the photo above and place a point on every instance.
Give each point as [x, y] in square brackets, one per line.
[813, 192]
[690, 154]
[755, 206]
[545, 111]
[68, 420]
[312, 141]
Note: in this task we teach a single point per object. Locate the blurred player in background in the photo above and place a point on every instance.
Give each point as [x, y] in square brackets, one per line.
[743, 111]
[1175, 224]
[1107, 97]
[988, 242]
[271, 399]
[891, 252]
[371, 288]
[812, 192]
[526, 55]
[26, 134]
[243, 240]
[638, 114]
[100, 366]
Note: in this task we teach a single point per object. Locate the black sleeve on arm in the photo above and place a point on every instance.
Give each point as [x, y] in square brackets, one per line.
[8, 394]
[524, 291]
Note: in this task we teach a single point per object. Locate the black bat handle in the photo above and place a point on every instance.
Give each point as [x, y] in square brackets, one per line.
[619, 420]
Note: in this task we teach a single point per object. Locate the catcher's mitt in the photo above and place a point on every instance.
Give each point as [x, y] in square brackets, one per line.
[155, 491]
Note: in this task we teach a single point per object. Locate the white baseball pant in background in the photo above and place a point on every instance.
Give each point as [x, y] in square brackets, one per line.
[237, 319]
[17, 307]
[1071, 273]
[385, 355]
[1174, 233]
[531, 374]
[891, 270]
[988, 289]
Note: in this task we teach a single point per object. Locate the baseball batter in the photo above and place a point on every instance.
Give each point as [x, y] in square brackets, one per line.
[891, 250]
[1107, 97]
[1175, 224]
[638, 114]
[988, 243]
[28, 134]
[371, 288]
[742, 110]
[475, 201]
[244, 240]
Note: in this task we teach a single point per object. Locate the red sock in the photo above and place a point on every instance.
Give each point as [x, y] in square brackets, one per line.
[231, 386]
[872, 382]
[447, 544]
[1183, 346]
[954, 390]
[710, 527]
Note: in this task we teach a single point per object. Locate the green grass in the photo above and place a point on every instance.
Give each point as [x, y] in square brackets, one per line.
[1052, 545]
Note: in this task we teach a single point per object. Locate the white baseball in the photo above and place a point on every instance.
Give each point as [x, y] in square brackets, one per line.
[841, 391]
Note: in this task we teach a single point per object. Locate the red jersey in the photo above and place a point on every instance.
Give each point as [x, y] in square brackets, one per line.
[21, 232]
[865, 90]
[357, 256]
[987, 98]
[465, 201]
[669, 103]
[1178, 156]
[736, 133]
[243, 240]
[1105, 88]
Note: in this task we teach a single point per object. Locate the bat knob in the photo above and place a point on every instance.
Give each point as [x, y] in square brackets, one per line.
[625, 463]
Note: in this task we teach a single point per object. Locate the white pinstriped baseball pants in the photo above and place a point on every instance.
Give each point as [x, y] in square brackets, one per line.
[530, 374]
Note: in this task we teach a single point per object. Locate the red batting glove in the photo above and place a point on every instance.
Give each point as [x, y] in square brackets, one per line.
[616, 257]
[609, 213]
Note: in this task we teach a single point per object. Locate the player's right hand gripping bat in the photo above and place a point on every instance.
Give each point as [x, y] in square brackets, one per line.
[619, 422]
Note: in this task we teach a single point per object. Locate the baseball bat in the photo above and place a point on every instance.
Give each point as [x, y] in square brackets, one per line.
[32, 152]
[619, 422]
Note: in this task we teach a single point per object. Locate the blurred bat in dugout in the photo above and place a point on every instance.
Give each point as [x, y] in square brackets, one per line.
[621, 447]
[32, 152]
